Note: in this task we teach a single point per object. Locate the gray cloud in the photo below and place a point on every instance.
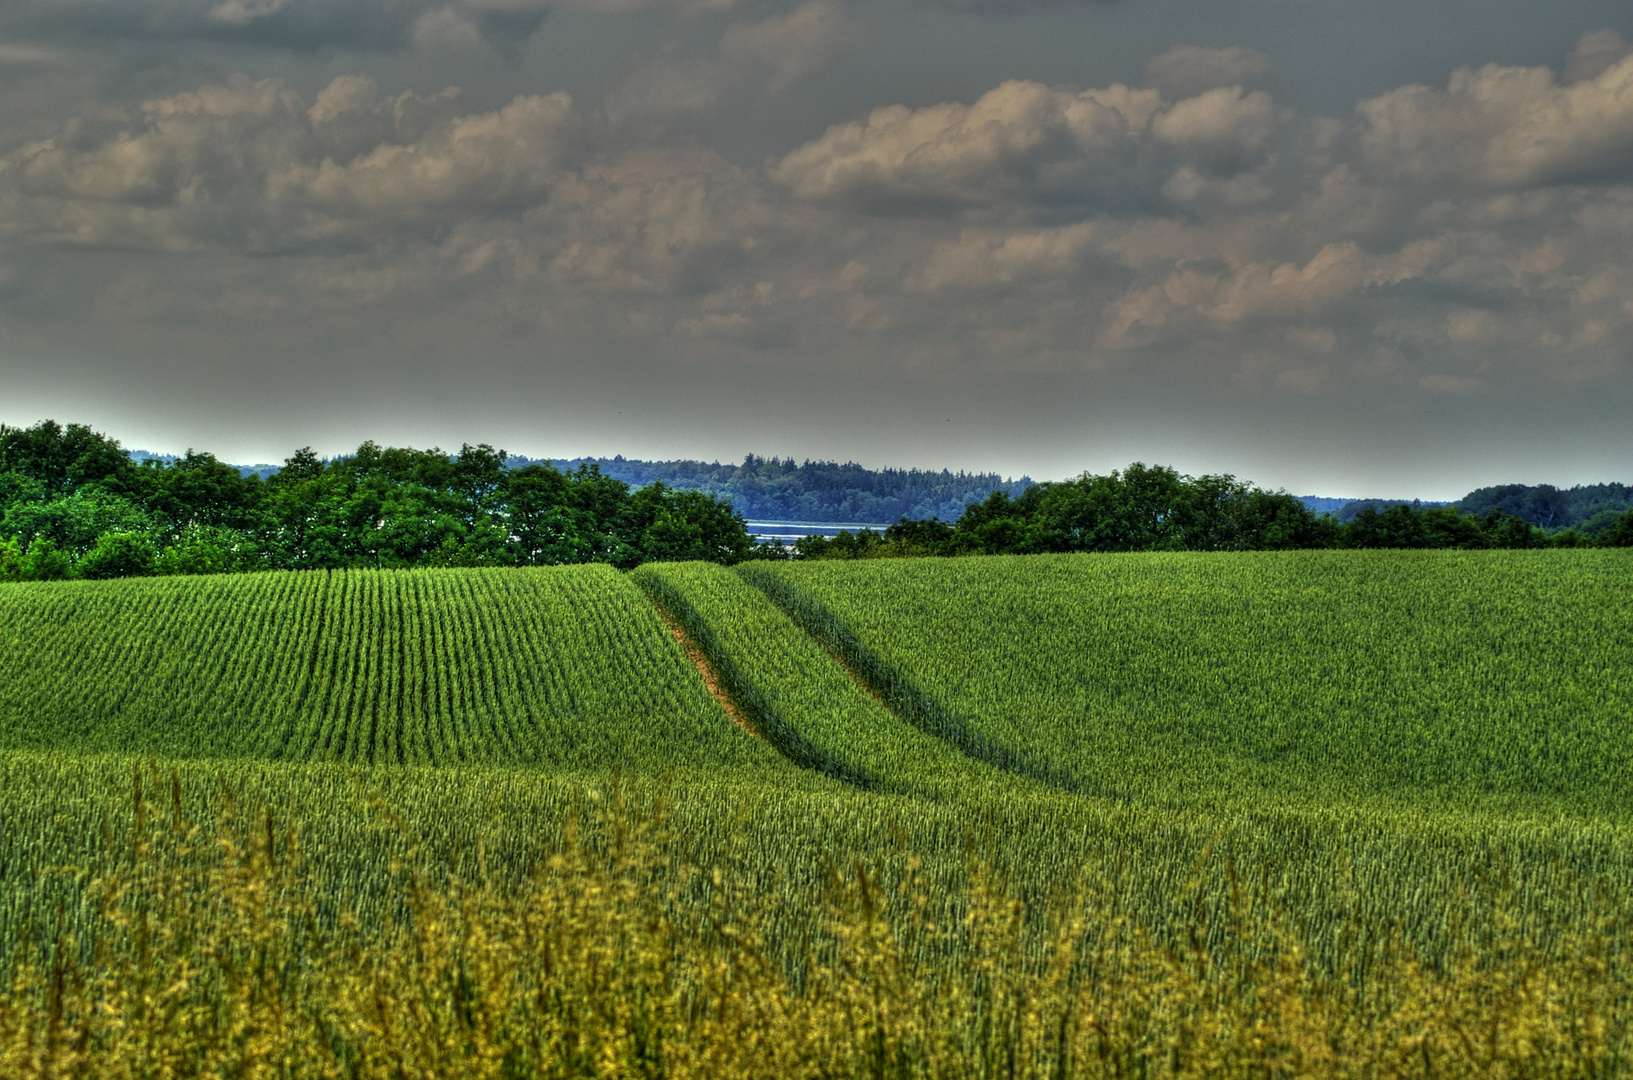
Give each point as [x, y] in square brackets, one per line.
[1023, 143]
[1503, 128]
[249, 165]
[301, 25]
[1444, 244]
[1595, 52]
[773, 54]
[1187, 70]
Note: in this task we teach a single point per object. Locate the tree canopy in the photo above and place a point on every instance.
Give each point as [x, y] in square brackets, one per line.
[73, 503]
[1156, 508]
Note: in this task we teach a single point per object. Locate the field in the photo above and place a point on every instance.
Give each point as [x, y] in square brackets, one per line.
[1309, 814]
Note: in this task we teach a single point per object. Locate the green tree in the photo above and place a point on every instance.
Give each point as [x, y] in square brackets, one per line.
[1620, 534]
[119, 555]
[62, 459]
[44, 562]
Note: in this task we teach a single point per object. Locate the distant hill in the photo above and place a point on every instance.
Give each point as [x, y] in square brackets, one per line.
[1352, 507]
[262, 470]
[782, 489]
[1587, 508]
[1321, 504]
[822, 492]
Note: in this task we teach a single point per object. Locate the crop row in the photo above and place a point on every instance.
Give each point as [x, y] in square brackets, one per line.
[799, 697]
[562, 667]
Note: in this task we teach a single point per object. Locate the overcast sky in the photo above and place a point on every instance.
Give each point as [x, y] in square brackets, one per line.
[1346, 248]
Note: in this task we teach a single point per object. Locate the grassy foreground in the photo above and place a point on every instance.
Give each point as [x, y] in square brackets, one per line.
[215, 950]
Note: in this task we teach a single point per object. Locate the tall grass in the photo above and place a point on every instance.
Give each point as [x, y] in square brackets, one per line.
[213, 952]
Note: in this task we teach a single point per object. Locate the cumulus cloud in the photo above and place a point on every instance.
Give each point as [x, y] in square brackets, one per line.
[1187, 70]
[774, 53]
[1024, 142]
[1595, 52]
[1438, 240]
[248, 163]
[1503, 127]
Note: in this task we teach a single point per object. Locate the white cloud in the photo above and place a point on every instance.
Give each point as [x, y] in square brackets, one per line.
[1502, 127]
[1019, 139]
[250, 164]
[485, 160]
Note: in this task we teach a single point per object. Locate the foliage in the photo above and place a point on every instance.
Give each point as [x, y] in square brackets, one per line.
[104, 515]
[1155, 508]
[782, 489]
[1586, 507]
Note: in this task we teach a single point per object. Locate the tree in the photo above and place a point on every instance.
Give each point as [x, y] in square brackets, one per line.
[119, 555]
[45, 563]
[62, 459]
[1619, 534]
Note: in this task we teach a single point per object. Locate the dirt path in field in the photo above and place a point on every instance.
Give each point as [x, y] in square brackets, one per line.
[705, 669]
[861, 684]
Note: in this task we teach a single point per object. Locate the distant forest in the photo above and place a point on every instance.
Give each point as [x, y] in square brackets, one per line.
[75, 504]
[782, 489]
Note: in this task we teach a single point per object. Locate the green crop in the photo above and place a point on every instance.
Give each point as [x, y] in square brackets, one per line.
[1496, 680]
[1414, 764]
[801, 698]
[563, 667]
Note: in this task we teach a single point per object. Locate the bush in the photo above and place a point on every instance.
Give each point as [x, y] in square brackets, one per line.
[119, 555]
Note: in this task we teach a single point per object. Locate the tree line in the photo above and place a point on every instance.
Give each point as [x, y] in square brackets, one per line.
[1156, 508]
[74, 504]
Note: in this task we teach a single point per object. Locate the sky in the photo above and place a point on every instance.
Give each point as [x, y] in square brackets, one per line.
[1341, 248]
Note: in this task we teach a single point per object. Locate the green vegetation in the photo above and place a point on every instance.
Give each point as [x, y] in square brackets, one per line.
[1155, 508]
[1586, 508]
[73, 504]
[797, 696]
[566, 668]
[1491, 680]
[782, 489]
[225, 950]
[1338, 813]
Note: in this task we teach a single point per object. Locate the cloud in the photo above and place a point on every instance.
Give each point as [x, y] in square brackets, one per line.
[795, 46]
[248, 164]
[1504, 128]
[298, 25]
[774, 54]
[1024, 143]
[377, 26]
[1187, 70]
[1594, 53]
[1205, 236]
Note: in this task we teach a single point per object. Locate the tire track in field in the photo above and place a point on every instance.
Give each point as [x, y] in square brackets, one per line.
[894, 691]
[711, 680]
[765, 719]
